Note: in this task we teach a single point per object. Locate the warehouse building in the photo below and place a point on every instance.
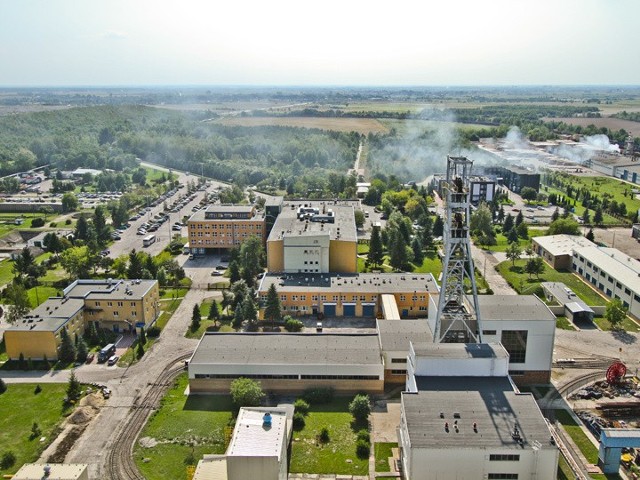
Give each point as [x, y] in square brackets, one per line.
[223, 227]
[615, 274]
[461, 417]
[356, 295]
[515, 178]
[117, 305]
[314, 237]
[557, 250]
[289, 362]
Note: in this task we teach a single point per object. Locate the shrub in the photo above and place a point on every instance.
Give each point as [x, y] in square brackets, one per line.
[3, 386]
[364, 435]
[7, 460]
[35, 431]
[37, 390]
[293, 325]
[153, 332]
[298, 421]
[301, 406]
[53, 224]
[360, 407]
[324, 435]
[37, 222]
[246, 392]
[318, 396]
[67, 221]
[363, 449]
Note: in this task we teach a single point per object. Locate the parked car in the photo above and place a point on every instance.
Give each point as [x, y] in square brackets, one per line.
[216, 273]
[113, 360]
[221, 267]
[90, 358]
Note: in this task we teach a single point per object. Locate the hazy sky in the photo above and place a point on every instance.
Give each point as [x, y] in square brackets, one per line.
[268, 42]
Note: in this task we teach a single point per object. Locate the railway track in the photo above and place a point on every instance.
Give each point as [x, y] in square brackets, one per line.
[120, 463]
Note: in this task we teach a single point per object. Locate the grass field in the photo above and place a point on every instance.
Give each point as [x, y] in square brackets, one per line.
[181, 426]
[309, 456]
[20, 407]
[563, 324]
[586, 446]
[382, 453]
[223, 324]
[503, 243]
[360, 125]
[520, 281]
[405, 126]
[628, 325]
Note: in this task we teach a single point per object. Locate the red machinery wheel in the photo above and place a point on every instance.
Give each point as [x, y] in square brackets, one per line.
[616, 372]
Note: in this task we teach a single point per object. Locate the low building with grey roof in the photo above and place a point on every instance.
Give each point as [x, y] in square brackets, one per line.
[350, 295]
[557, 250]
[287, 362]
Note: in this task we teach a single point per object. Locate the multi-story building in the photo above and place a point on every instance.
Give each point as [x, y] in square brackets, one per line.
[223, 227]
[615, 274]
[481, 189]
[314, 237]
[515, 178]
[117, 305]
[356, 295]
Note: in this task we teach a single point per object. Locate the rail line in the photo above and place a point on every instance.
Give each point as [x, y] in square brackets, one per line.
[120, 463]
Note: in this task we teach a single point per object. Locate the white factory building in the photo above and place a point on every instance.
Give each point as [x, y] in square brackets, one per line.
[462, 417]
[615, 274]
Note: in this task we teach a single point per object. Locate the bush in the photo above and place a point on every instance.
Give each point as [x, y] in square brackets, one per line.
[153, 332]
[293, 325]
[246, 392]
[324, 435]
[360, 408]
[301, 406]
[7, 460]
[37, 390]
[364, 435]
[67, 221]
[37, 222]
[318, 396]
[3, 386]
[298, 421]
[53, 224]
[363, 449]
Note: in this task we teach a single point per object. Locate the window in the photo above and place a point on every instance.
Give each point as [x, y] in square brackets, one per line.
[504, 476]
[398, 372]
[294, 298]
[303, 298]
[283, 298]
[314, 298]
[403, 298]
[109, 304]
[398, 360]
[335, 298]
[323, 298]
[115, 314]
[120, 304]
[97, 304]
[504, 458]
[489, 332]
[133, 304]
[515, 342]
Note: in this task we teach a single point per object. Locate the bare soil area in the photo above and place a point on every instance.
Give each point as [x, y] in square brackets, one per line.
[611, 123]
[360, 125]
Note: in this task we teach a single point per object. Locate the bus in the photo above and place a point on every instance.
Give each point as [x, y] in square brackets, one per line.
[148, 240]
[186, 249]
[106, 352]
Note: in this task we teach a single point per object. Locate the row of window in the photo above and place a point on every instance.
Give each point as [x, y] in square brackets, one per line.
[222, 235]
[503, 476]
[114, 313]
[323, 298]
[229, 226]
[287, 376]
[257, 376]
[119, 304]
[503, 457]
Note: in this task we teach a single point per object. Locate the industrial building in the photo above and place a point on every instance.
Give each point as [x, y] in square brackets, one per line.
[515, 178]
[257, 450]
[52, 471]
[461, 417]
[314, 237]
[481, 188]
[117, 305]
[615, 274]
[355, 295]
[288, 362]
[557, 250]
[223, 227]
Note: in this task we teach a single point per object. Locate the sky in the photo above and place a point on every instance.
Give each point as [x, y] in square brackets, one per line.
[328, 42]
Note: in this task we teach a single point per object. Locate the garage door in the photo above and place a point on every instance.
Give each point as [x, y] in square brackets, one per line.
[349, 309]
[329, 309]
[368, 310]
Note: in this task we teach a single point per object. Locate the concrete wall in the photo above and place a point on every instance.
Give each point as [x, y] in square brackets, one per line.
[263, 468]
[275, 256]
[308, 253]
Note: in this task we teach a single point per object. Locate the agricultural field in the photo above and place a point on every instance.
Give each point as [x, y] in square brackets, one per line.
[360, 125]
[608, 122]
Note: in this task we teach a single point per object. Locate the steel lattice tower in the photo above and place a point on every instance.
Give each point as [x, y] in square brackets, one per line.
[456, 319]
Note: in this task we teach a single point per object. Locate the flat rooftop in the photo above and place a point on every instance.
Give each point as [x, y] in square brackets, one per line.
[49, 316]
[251, 438]
[58, 471]
[343, 228]
[562, 244]
[379, 283]
[513, 307]
[490, 402]
[396, 335]
[199, 216]
[287, 349]
[459, 350]
[612, 261]
[109, 290]
[565, 296]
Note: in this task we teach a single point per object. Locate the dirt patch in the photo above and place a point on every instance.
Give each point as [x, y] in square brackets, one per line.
[95, 400]
[82, 415]
[360, 125]
[65, 445]
[611, 123]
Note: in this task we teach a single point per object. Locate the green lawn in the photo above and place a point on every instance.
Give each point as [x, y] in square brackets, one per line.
[309, 457]
[586, 446]
[38, 295]
[503, 243]
[169, 293]
[564, 324]
[20, 407]
[179, 423]
[431, 264]
[628, 325]
[223, 324]
[382, 453]
[6, 271]
[520, 281]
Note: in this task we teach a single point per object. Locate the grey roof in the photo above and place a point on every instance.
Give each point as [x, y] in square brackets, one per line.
[513, 307]
[287, 349]
[565, 296]
[562, 244]
[288, 224]
[613, 262]
[49, 316]
[490, 402]
[199, 216]
[459, 350]
[520, 170]
[395, 335]
[109, 290]
[355, 283]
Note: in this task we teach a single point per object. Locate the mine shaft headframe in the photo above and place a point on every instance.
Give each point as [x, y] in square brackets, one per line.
[458, 173]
